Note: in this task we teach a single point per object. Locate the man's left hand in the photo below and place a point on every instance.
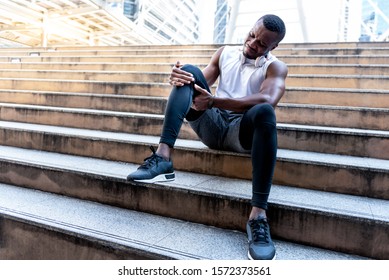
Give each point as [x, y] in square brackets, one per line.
[202, 100]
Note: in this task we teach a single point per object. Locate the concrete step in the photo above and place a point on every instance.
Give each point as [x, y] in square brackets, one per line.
[330, 96]
[339, 81]
[309, 180]
[113, 51]
[320, 115]
[332, 51]
[335, 59]
[109, 58]
[337, 116]
[341, 69]
[323, 139]
[198, 59]
[145, 98]
[118, 76]
[320, 45]
[310, 170]
[138, 123]
[108, 102]
[333, 45]
[51, 226]
[294, 80]
[195, 49]
[333, 140]
[93, 66]
[149, 47]
[82, 86]
[186, 199]
[337, 97]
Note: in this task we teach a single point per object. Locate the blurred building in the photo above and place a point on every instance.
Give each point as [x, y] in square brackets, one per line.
[167, 21]
[127, 22]
[220, 23]
[131, 9]
[374, 20]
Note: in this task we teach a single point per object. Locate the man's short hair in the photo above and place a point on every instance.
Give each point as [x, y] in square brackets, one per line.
[275, 24]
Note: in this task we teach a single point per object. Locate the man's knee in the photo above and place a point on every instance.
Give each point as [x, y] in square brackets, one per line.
[197, 73]
[191, 69]
[264, 113]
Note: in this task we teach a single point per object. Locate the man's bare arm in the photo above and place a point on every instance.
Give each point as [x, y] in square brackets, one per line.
[211, 72]
[271, 91]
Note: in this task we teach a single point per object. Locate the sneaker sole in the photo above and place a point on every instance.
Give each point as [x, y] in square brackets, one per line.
[251, 258]
[160, 178]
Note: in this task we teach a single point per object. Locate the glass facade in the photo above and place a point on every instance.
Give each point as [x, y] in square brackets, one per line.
[375, 20]
[126, 22]
[131, 9]
[170, 21]
[220, 22]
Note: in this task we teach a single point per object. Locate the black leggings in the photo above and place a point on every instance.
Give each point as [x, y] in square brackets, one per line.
[179, 106]
[257, 133]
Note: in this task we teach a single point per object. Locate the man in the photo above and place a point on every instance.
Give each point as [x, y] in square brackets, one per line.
[240, 117]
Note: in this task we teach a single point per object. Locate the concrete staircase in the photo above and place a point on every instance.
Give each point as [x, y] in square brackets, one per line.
[75, 121]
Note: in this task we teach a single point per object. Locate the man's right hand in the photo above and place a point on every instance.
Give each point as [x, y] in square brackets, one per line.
[180, 77]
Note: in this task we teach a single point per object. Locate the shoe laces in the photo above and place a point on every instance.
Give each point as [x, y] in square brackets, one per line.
[151, 160]
[260, 230]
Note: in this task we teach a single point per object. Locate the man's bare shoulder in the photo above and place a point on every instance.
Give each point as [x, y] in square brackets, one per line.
[216, 56]
[277, 68]
[219, 51]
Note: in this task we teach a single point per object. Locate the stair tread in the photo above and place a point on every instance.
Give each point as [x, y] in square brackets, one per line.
[334, 89]
[326, 202]
[188, 55]
[162, 236]
[332, 107]
[154, 84]
[79, 110]
[296, 75]
[16, 91]
[291, 155]
[101, 221]
[99, 111]
[337, 130]
[289, 126]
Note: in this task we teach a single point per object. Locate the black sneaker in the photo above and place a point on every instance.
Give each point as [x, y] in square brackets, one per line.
[261, 246]
[154, 169]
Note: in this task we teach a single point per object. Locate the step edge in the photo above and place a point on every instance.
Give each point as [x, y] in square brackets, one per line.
[206, 187]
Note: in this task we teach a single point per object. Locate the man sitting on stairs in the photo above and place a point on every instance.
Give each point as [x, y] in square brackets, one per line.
[240, 117]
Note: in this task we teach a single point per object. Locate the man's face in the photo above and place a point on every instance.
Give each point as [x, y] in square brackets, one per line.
[259, 41]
